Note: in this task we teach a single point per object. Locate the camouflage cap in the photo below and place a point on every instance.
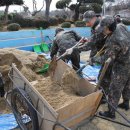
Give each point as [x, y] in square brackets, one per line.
[59, 29]
[106, 21]
[88, 15]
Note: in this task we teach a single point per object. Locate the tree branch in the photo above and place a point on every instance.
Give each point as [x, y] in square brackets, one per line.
[37, 11]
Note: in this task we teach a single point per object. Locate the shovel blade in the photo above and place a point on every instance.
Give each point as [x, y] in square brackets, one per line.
[59, 70]
[52, 66]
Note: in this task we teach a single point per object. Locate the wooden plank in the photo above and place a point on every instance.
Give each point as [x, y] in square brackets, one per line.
[78, 110]
[97, 102]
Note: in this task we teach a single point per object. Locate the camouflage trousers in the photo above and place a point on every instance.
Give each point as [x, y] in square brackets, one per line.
[74, 58]
[119, 85]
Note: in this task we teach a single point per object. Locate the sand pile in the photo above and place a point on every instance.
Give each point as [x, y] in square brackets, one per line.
[27, 63]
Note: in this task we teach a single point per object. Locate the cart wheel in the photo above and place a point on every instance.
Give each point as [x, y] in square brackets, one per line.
[24, 113]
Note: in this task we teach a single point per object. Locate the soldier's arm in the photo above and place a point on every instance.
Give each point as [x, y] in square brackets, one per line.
[112, 52]
[54, 49]
[93, 41]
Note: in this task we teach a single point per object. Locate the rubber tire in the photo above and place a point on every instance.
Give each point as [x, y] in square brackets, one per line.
[33, 114]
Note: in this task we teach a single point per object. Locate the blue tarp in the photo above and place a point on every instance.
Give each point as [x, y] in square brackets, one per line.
[91, 71]
[7, 122]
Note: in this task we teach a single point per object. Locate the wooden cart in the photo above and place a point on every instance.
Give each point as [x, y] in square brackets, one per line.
[48, 118]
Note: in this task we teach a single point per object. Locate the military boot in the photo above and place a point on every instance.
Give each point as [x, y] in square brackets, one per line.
[124, 105]
[107, 114]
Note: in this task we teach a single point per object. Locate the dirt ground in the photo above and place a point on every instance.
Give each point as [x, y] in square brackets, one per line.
[101, 124]
[28, 63]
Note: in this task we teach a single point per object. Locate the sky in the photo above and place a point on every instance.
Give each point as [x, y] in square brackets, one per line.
[39, 4]
[29, 4]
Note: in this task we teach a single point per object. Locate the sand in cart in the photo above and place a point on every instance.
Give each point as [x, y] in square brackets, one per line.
[58, 95]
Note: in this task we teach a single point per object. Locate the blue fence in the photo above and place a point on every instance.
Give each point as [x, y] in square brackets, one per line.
[31, 37]
[26, 39]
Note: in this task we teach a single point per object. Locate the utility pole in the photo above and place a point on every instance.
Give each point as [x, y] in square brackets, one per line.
[104, 9]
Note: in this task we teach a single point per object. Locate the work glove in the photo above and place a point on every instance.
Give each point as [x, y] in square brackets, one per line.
[84, 40]
[69, 51]
[2, 92]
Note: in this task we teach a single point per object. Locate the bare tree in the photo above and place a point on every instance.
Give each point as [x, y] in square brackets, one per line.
[48, 3]
[35, 10]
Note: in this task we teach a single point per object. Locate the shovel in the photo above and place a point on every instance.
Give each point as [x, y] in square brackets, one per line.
[53, 63]
[103, 73]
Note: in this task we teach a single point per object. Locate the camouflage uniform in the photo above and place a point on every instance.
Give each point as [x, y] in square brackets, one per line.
[97, 39]
[63, 41]
[118, 48]
[105, 83]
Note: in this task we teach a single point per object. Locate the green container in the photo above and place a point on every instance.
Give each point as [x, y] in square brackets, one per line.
[37, 48]
[44, 47]
[44, 68]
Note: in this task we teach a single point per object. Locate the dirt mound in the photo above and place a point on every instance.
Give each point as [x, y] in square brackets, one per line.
[26, 62]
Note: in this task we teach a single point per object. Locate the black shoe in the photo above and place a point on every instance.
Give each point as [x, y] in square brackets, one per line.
[107, 114]
[124, 105]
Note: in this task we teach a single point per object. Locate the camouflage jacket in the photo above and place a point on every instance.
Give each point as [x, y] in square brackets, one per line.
[63, 41]
[118, 46]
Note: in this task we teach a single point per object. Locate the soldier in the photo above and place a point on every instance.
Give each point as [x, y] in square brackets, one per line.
[91, 20]
[63, 41]
[97, 40]
[118, 49]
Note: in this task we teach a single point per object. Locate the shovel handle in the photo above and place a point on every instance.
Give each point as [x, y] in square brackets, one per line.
[61, 56]
[103, 72]
[80, 69]
[78, 42]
